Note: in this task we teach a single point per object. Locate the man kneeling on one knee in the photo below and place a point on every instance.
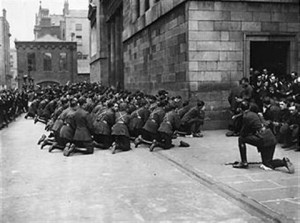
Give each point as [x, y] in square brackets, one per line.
[254, 133]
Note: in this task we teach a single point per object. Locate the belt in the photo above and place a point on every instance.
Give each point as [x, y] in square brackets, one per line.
[152, 120]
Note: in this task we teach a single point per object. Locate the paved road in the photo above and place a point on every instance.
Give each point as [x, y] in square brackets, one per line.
[135, 186]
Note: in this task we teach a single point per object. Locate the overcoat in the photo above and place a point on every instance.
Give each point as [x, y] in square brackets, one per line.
[170, 123]
[120, 127]
[84, 126]
[154, 120]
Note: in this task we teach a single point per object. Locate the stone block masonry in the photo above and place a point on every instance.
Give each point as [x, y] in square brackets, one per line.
[216, 42]
[156, 57]
[193, 48]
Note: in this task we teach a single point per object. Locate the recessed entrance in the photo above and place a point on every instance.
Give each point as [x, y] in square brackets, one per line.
[272, 55]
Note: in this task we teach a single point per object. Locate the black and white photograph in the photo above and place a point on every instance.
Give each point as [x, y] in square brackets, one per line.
[149, 111]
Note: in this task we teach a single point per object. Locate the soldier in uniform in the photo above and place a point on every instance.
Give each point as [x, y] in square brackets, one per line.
[120, 131]
[170, 123]
[149, 130]
[271, 113]
[138, 118]
[82, 139]
[192, 121]
[254, 133]
[32, 110]
[104, 120]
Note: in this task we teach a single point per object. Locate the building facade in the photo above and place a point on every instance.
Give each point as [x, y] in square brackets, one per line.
[197, 49]
[46, 61]
[72, 25]
[14, 68]
[5, 75]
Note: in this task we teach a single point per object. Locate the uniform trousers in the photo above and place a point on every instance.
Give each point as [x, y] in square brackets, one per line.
[266, 152]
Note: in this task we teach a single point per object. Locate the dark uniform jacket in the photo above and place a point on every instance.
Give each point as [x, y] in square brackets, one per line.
[193, 114]
[104, 120]
[138, 118]
[32, 110]
[68, 129]
[154, 120]
[120, 127]
[251, 124]
[170, 123]
[83, 124]
[58, 123]
[181, 112]
[272, 113]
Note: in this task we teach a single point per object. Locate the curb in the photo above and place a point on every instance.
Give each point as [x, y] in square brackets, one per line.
[248, 204]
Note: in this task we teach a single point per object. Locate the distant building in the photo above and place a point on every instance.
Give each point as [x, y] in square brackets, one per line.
[72, 25]
[5, 76]
[197, 49]
[14, 68]
[46, 61]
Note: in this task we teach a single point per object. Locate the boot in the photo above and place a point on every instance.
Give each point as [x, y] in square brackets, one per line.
[288, 164]
[183, 144]
[43, 137]
[153, 145]
[113, 148]
[138, 141]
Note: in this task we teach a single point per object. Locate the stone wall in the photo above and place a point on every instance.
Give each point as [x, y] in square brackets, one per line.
[155, 57]
[219, 32]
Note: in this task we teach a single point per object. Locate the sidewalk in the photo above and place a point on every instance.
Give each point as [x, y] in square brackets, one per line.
[274, 193]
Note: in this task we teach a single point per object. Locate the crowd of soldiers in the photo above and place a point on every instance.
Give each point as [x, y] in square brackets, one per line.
[12, 104]
[84, 116]
[276, 99]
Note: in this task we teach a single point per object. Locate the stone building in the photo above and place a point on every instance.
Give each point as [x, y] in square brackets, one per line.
[13, 68]
[197, 49]
[46, 61]
[71, 25]
[5, 76]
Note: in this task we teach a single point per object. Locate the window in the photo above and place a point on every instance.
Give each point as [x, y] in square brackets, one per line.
[79, 55]
[62, 61]
[47, 61]
[138, 8]
[79, 40]
[93, 40]
[147, 5]
[78, 27]
[31, 61]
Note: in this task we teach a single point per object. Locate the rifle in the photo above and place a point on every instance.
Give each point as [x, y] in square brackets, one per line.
[236, 162]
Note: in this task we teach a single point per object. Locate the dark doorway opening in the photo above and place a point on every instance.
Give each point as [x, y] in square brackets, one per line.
[272, 55]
